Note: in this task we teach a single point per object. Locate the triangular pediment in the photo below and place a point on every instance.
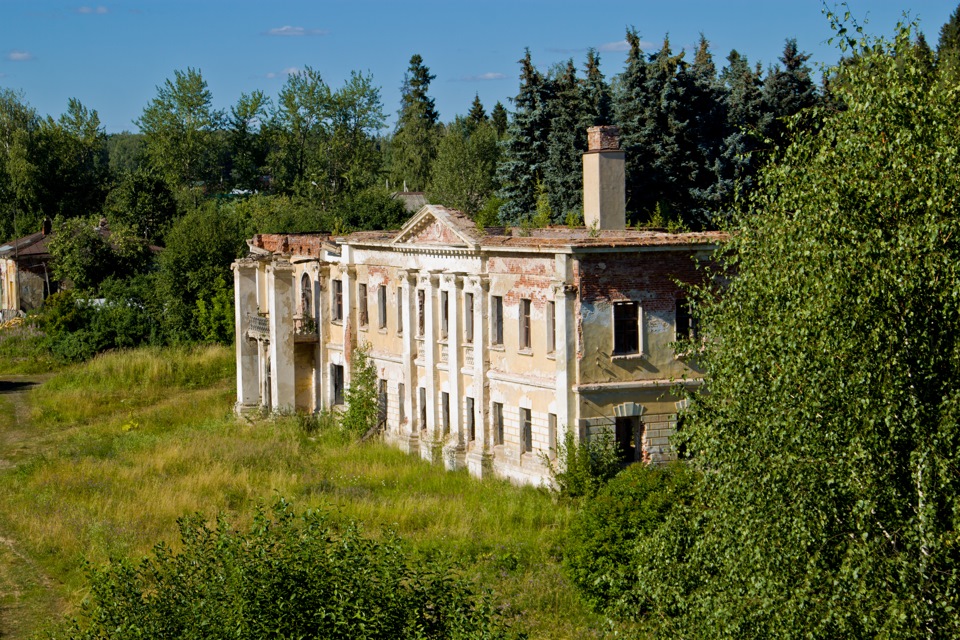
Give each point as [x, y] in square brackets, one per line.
[433, 225]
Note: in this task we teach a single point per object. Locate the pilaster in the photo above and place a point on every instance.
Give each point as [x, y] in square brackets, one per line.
[248, 357]
[455, 446]
[280, 299]
[480, 459]
[410, 432]
[428, 282]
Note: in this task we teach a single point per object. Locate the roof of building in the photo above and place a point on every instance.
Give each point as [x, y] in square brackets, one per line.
[413, 201]
[35, 244]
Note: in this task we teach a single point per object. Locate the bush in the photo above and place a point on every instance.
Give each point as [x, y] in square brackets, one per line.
[581, 470]
[288, 576]
[600, 556]
[361, 397]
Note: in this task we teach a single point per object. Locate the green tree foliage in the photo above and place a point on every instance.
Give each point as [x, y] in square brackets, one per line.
[831, 424]
[18, 171]
[414, 144]
[288, 576]
[466, 162]
[525, 146]
[124, 152]
[180, 128]
[297, 130]
[195, 265]
[582, 469]
[787, 90]
[948, 47]
[601, 541]
[477, 113]
[361, 396]
[142, 200]
[499, 118]
[248, 149]
[85, 252]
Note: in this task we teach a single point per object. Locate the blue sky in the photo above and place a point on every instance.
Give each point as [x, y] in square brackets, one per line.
[111, 55]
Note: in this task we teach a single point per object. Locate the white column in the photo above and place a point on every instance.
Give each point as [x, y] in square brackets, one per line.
[245, 305]
[566, 360]
[480, 460]
[280, 298]
[410, 434]
[428, 282]
[349, 273]
[455, 447]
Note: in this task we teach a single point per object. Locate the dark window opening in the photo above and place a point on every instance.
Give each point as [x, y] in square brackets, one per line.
[337, 302]
[444, 314]
[468, 318]
[629, 438]
[382, 306]
[421, 311]
[423, 408]
[336, 374]
[626, 328]
[362, 304]
[525, 337]
[498, 422]
[496, 335]
[445, 401]
[526, 430]
[686, 324]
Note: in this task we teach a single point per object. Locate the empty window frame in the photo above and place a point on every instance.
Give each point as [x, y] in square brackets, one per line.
[471, 421]
[626, 328]
[399, 310]
[496, 317]
[526, 430]
[525, 330]
[362, 304]
[336, 300]
[551, 326]
[421, 311]
[423, 408]
[445, 407]
[336, 379]
[306, 296]
[401, 407]
[497, 423]
[686, 324]
[382, 306]
[552, 434]
[468, 318]
[382, 403]
[444, 314]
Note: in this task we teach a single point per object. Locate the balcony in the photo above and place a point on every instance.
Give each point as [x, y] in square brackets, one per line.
[305, 329]
[258, 327]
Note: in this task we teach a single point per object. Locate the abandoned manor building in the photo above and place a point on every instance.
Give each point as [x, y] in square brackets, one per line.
[488, 344]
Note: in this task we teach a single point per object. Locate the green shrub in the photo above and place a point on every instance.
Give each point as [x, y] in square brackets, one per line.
[361, 396]
[288, 576]
[582, 469]
[600, 557]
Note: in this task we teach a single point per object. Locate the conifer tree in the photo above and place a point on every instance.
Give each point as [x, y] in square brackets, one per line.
[498, 117]
[787, 90]
[414, 143]
[631, 109]
[525, 147]
[744, 104]
[948, 47]
[477, 113]
[566, 142]
[598, 107]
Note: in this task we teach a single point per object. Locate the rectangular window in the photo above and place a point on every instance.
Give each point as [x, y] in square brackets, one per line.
[551, 326]
[444, 314]
[525, 337]
[445, 402]
[421, 311]
[471, 421]
[552, 434]
[382, 401]
[423, 408]
[382, 306]
[498, 422]
[626, 328]
[362, 304]
[336, 379]
[336, 303]
[401, 407]
[686, 324]
[526, 430]
[496, 317]
[468, 318]
[399, 310]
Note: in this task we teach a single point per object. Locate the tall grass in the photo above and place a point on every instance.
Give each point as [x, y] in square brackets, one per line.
[127, 443]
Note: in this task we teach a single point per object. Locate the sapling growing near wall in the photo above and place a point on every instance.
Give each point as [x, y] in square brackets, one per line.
[361, 396]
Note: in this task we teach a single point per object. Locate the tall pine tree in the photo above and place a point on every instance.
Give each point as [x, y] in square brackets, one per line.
[414, 144]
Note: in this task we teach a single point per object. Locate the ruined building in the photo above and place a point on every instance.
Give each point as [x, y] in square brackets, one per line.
[489, 344]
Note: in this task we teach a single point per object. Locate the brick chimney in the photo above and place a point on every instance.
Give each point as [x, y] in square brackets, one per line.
[604, 180]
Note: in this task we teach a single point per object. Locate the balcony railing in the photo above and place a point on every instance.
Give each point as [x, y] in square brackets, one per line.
[258, 326]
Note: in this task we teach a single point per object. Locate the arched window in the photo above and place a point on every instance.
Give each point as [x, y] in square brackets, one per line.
[306, 296]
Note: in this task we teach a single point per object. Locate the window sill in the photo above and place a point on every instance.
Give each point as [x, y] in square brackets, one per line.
[552, 355]
[336, 321]
[382, 331]
[363, 328]
[497, 347]
[628, 356]
[525, 352]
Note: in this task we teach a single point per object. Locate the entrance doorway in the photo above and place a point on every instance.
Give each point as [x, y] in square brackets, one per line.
[629, 438]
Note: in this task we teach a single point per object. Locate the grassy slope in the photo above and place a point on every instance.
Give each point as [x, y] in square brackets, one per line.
[122, 446]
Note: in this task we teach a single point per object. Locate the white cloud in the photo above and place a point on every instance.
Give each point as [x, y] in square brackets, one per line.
[490, 75]
[19, 56]
[289, 71]
[619, 45]
[295, 32]
[99, 10]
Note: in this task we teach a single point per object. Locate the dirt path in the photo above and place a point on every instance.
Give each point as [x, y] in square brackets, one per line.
[28, 597]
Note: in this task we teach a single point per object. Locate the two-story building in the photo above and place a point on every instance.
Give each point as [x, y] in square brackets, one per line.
[489, 344]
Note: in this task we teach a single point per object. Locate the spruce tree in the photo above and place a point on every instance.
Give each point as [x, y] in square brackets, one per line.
[498, 117]
[787, 90]
[414, 142]
[598, 106]
[744, 108]
[631, 109]
[525, 147]
[948, 47]
[566, 142]
[477, 113]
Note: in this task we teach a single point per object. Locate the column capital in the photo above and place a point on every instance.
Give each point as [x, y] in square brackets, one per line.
[245, 263]
[479, 282]
[282, 265]
[560, 288]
